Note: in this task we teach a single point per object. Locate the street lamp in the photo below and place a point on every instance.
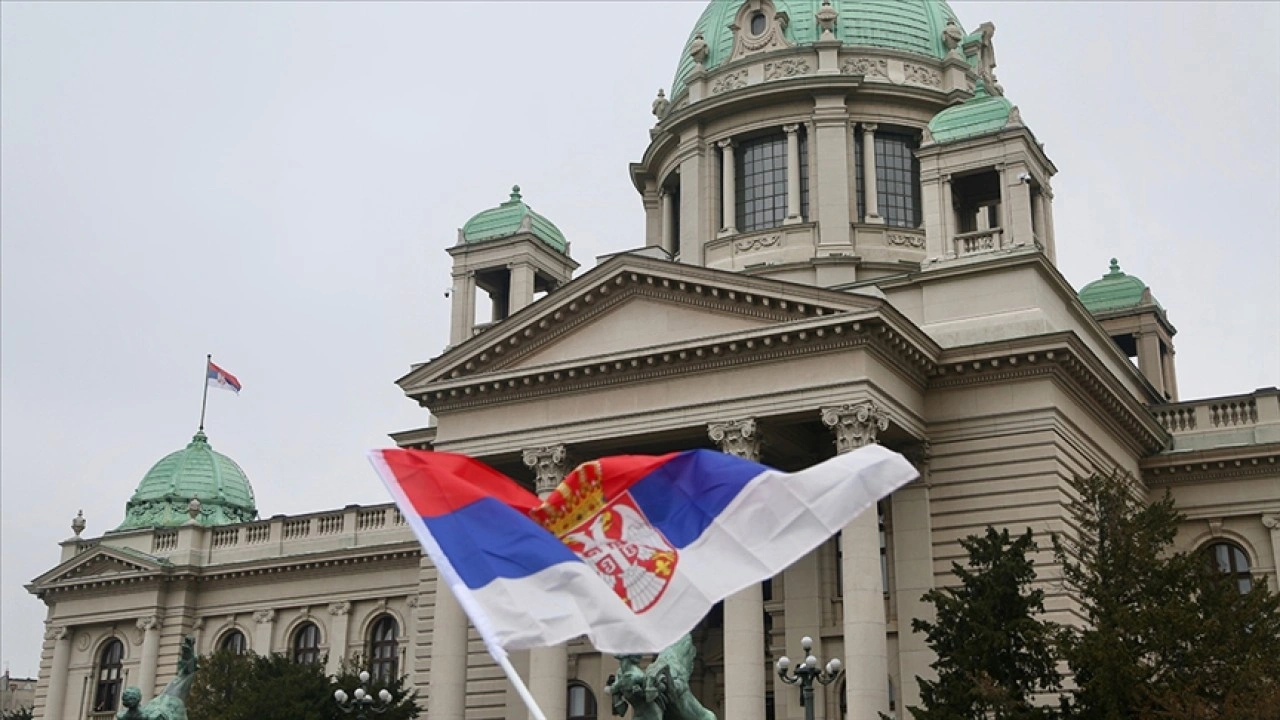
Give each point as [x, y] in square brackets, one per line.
[361, 702]
[806, 673]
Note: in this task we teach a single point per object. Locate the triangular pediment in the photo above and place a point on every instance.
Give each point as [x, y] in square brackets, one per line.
[99, 564]
[629, 303]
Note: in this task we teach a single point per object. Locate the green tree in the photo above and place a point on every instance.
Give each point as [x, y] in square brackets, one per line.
[253, 687]
[25, 713]
[994, 653]
[1164, 636]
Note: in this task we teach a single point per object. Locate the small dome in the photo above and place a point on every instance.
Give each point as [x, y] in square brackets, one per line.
[913, 26]
[509, 218]
[195, 472]
[981, 114]
[1115, 291]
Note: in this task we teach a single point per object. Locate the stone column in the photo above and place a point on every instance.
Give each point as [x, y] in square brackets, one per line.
[668, 222]
[520, 295]
[1050, 244]
[866, 649]
[57, 694]
[463, 313]
[150, 627]
[447, 693]
[341, 612]
[728, 188]
[1272, 523]
[793, 173]
[1037, 219]
[549, 666]
[1170, 375]
[744, 651]
[913, 573]
[265, 620]
[1148, 343]
[948, 219]
[871, 200]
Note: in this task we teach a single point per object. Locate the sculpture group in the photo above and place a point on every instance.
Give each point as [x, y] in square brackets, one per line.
[660, 691]
[170, 704]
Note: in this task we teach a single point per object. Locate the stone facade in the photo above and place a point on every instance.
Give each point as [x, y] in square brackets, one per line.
[942, 330]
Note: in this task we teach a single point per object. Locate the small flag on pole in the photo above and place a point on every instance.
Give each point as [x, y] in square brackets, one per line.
[219, 378]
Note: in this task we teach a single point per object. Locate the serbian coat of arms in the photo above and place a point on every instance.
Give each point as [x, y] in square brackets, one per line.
[615, 539]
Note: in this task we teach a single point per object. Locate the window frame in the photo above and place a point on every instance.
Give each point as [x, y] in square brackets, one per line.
[108, 674]
[760, 181]
[305, 653]
[1238, 566]
[384, 648]
[227, 643]
[591, 708]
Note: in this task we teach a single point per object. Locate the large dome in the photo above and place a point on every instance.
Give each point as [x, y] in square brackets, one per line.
[195, 472]
[912, 26]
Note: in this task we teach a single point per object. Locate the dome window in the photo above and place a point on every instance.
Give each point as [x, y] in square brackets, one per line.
[758, 24]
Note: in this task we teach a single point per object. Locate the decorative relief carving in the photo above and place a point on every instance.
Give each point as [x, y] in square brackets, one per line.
[262, 617]
[339, 608]
[736, 437]
[855, 424]
[411, 601]
[915, 241]
[773, 35]
[758, 242]
[791, 67]
[866, 67]
[699, 50]
[729, 81]
[1271, 522]
[921, 75]
[1015, 117]
[149, 622]
[56, 632]
[549, 464]
[82, 641]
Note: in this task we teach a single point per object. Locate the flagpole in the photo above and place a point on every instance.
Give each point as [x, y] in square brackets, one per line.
[505, 663]
[204, 400]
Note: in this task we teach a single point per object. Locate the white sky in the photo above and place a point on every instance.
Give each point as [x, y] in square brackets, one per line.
[276, 184]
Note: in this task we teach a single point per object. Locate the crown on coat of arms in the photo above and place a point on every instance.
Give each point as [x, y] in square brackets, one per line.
[579, 496]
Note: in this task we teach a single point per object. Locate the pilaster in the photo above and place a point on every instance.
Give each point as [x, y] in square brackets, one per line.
[150, 627]
[447, 693]
[55, 699]
[265, 621]
[339, 627]
[1272, 523]
[829, 174]
[549, 666]
[913, 573]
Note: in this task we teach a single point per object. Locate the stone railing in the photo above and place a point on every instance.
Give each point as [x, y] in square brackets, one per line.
[164, 540]
[979, 241]
[1257, 416]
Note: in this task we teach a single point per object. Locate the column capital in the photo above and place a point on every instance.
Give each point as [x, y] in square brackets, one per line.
[149, 622]
[342, 607]
[869, 127]
[56, 632]
[262, 617]
[549, 464]
[855, 424]
[1271, 522]
[725, 144]
[736, 437]
[919, 454]
[791, 128]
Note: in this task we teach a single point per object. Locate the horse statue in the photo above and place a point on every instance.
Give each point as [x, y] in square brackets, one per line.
[661, 691]
[170, 704]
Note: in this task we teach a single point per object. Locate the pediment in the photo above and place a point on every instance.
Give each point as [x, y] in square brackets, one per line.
[100, 564]
[629, 303]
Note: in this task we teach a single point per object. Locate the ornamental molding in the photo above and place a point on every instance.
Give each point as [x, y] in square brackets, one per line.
[1217, 465]
[773, 37]
[791, 67]
[149, 622]
[729, 81]
[263, 617]
[905, 240]
[56, 632]
[866, 67]
[736, 437]
[340, 608]
[921, 75]
[758, 242]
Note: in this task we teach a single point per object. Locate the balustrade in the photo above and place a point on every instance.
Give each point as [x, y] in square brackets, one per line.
[979, 241]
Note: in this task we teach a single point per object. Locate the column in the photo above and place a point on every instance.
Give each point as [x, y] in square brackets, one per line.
[341, 613]
[1037, 219]
[520, 293]
[1050, 245]
[793, 173]
[1170, 375]
[668, 222]
[948, 219]
[549, 666]
[57, 694]
[744, 651]
[866, 649]
[870, 196]
[150, 627]
[913, 573]
[265, 621]
[1272, 523]
[698, 197]
[447, 693]
[728, 188]
[1148, 343]
[463, 316]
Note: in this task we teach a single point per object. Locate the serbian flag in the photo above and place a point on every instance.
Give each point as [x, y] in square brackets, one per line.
[219, 378]
[631, 551]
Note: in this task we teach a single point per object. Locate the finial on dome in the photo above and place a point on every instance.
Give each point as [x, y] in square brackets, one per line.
[952, 36]
[699, 50]
[661, 105]
[78, 523]
[515, 193]
[827, 16]
[1115, 267]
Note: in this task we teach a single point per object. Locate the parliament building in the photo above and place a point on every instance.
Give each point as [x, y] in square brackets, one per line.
[849, 238]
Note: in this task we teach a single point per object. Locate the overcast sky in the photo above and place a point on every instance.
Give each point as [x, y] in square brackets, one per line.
[276, 184]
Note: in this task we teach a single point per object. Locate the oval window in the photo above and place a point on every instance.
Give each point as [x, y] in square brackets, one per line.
[757, 24]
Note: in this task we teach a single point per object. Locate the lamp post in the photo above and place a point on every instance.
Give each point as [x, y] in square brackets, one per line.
[360, 702]
[806, 672]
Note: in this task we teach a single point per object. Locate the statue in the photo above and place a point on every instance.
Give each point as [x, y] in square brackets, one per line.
[661, 691]
[170, 704]
[660, 107]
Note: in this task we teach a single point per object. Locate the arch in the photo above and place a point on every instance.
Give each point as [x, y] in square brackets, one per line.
[304, 642]
[108, 673]
[383, 647]
[1230, 559]
[234, 640]
[580, 701]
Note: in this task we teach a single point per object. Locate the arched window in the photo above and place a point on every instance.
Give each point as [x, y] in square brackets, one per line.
[110, 675]
[384, 651]
[306, 643]
[582, 702]
[1230, 558]
[235, 642]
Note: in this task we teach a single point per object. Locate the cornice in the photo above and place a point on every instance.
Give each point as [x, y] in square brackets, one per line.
[1212, 465]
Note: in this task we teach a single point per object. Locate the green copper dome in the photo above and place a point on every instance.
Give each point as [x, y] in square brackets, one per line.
[981, 114]
[509, 218]
[913, 26]
[1115, 291]
[196, 472]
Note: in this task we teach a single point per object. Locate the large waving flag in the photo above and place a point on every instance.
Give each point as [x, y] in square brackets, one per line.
[631, 551]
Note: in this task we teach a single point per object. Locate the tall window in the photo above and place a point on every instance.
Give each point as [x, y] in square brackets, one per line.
[582, 703]
[761, 191]
[1229, 558]
[235, 642]
[384, 651]
[106, 697]
[897, 179]
[306, 643]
